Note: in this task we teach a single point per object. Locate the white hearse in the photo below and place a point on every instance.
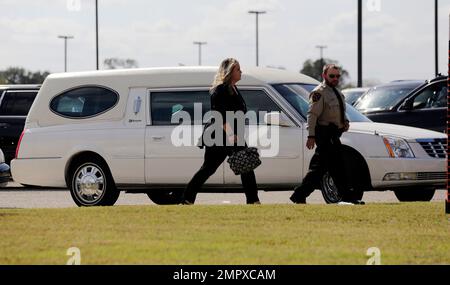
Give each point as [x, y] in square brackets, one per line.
[101, 132]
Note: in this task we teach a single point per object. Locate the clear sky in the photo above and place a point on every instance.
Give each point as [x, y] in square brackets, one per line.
[398, 36]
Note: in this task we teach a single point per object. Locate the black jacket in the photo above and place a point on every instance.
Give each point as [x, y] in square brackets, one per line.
[223, 99]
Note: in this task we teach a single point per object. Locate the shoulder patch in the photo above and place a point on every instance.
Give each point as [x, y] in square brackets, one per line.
[315, 96]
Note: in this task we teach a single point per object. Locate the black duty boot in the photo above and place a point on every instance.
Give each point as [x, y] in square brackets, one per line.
[297, 200]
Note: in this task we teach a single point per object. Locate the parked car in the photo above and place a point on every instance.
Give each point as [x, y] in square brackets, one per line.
[101, 132]
[411, 103]
[15, 102]
[4, 171]
[353, 94]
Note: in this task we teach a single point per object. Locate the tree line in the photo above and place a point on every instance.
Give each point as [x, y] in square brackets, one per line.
[19, 75]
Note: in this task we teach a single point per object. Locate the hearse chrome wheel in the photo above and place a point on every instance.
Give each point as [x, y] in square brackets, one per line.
[89, 183]
[92, 184]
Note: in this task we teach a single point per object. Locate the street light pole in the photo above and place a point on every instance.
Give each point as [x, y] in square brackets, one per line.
[200, 51]
[257, 13]
[96, 30]
[65, 49]
[321, 53]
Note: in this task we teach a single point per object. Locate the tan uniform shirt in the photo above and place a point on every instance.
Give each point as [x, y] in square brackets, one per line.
[324, 108]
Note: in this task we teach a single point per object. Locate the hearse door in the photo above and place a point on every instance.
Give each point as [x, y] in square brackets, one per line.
[280, 146]
[171, 152]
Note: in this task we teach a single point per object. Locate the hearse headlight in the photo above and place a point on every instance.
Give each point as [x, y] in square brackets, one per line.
[398, 148]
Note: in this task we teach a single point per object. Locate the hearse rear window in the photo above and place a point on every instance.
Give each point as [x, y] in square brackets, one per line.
[84, 102]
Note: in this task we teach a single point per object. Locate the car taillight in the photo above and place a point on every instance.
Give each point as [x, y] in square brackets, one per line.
[18, 143]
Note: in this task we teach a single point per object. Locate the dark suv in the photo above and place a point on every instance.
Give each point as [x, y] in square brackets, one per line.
[411, 103]
[15, 102]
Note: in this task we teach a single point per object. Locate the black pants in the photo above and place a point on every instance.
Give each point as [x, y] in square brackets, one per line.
[214, 157]
[328, 157]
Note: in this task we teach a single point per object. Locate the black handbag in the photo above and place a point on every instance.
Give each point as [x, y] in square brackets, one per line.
[244, 161]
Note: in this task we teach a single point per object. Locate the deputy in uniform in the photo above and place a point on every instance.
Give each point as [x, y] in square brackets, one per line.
[326, 123]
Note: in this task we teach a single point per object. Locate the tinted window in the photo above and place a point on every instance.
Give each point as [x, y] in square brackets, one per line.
[384, 97]
[165, 104]
[258, 101]
[354, 115]
[298, 96]
[84, 102]
[17, 103]
[434, 96]
[352, 96]
[308, 87]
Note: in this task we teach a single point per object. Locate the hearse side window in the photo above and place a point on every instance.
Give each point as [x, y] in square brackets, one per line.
[16, 103]
[84, 102]
[258, 101]
[164, 104]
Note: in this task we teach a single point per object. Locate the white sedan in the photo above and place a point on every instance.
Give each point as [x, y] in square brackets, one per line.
[410, 161]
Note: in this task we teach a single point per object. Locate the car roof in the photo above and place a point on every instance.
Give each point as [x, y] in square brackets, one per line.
[186, 76]
[153, 79]
[356, 89]
[438, 78]
[405, 83]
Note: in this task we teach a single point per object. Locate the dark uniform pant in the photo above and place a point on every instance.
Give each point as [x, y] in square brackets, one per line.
[214, 157]
[328, 157]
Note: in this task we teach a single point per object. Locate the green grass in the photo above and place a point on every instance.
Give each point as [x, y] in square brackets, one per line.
[408, 233]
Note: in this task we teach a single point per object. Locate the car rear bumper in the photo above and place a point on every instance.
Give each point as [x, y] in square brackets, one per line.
[39, 172]
[5, 174]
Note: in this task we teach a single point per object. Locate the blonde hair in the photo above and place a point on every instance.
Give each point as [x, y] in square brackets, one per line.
[223, 75]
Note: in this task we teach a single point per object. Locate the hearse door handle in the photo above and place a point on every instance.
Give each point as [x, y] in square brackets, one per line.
[157, 138]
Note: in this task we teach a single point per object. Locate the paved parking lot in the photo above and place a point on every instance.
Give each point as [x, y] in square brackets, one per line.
[16, 196]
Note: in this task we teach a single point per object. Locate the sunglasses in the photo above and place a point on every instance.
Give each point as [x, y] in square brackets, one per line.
[332, 76]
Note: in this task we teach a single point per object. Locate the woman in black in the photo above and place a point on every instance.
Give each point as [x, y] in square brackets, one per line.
[224, 97]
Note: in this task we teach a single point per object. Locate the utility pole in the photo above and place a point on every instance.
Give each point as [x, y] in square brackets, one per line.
[65, 49]
[321, 54]
[96, 30]
[200, 51]
[360, 76]
[257, 13]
